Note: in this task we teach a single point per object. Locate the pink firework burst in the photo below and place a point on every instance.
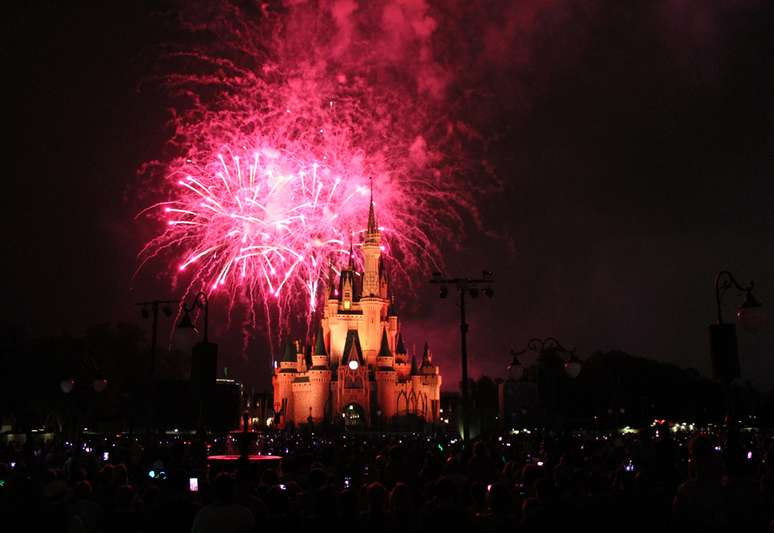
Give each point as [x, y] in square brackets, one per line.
[280, 122]
[264, 223]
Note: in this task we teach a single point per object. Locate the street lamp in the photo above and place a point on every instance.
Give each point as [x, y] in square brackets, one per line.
[200, 301]
[204, 357]
[723, 344]
[750, 314]
[99, 384]
[572, 365]
[471, 287]
[154, 306]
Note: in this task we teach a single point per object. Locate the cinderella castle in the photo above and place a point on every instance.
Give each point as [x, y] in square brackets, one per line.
[356, 369]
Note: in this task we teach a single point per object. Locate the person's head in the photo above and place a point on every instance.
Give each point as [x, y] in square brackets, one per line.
[124, 496]
[702, 454]
[119, 475]
[377, 497]
[105, 475]
[529, 476]
[224, 488]
[317, 478]
[82, 490]
[453, 466]
[478, 494]
[269, 477]
[400, 499]
[445, 491]
[277, 500]
[479, 449]
[498, 498]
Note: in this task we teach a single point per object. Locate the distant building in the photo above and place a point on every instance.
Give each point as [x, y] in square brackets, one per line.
[356, 368]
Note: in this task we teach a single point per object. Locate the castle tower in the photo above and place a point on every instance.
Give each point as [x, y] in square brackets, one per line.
[371, 302]
[371, 254]
[282, 382]
[428, 386]
[386, 379]
[319, 379]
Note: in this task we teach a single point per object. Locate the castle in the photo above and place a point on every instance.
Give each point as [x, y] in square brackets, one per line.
[356, 369]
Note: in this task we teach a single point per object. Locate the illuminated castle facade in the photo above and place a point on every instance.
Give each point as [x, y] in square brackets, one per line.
[356, 369]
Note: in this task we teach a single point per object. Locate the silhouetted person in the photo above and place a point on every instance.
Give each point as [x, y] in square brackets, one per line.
[223, 514]
[700, 503]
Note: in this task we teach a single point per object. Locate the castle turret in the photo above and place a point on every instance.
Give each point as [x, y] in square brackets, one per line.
[384, 280]
[427, 358]
[386, 378]
[428, 385]
[319, 375]
[282, 382]
[371, 253]
[385, 358]
[319, 353]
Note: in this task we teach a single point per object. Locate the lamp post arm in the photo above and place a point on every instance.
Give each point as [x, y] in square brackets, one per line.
[724, 281]
[206, 316]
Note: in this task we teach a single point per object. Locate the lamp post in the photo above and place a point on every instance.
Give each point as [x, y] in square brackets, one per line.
[572, 364]
[154, 306]
[472, 287]
[204, 358]
[724, 350]
[723, 343]
[200, 301]
[77, 387]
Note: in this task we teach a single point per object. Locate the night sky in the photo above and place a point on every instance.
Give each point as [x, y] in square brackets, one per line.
[635, 141]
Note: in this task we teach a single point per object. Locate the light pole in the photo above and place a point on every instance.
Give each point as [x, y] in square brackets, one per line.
[154, 310]
[724, 350]
[723, 344]
[472, 287]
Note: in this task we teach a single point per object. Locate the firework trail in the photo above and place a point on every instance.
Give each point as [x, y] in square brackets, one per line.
[283, 120]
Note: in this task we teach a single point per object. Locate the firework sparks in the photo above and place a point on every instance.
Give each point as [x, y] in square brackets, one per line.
[269, 226]
[281, 130]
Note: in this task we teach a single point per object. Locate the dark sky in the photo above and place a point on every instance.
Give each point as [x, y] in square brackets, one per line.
[635, 139]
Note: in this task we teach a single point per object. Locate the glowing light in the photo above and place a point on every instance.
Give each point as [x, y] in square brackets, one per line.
[353, 365]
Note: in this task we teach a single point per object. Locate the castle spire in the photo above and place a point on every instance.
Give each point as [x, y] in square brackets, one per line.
[351, 265]
[372, 227]
[427, 357]
[400, 348]
[319, 345]
[332, 293]
[384, 349]
[290, 352]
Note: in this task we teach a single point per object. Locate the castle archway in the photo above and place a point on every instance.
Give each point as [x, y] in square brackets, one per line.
[354, 416]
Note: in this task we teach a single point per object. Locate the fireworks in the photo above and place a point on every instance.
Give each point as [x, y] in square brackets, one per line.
[285, 124]
[264, 223]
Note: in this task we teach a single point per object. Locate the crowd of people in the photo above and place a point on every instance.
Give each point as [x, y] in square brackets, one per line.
[514, 481]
